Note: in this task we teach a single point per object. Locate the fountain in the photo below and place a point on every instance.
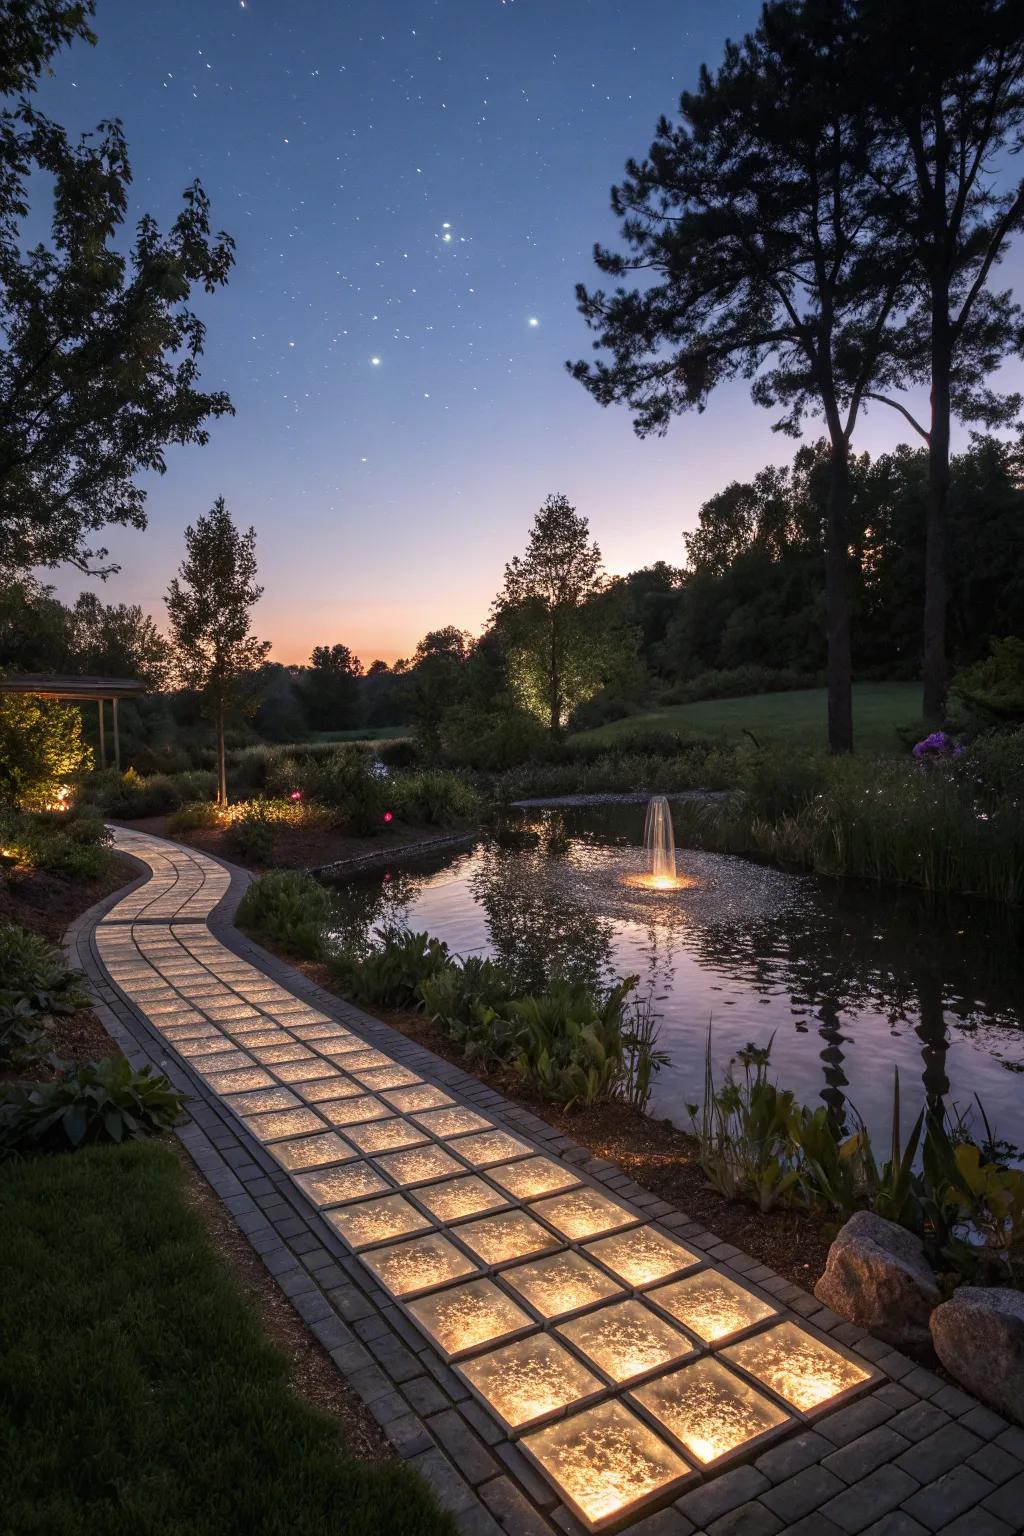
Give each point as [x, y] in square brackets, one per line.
[659, 850]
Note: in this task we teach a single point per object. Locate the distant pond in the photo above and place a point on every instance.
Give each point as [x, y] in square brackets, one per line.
[851, 980]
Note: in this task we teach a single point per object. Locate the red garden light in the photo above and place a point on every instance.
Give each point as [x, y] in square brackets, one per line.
[388, 816]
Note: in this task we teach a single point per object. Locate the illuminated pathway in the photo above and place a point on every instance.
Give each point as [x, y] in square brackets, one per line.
[553, 1348]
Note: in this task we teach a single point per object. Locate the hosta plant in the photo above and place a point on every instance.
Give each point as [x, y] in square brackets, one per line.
[97, 1101]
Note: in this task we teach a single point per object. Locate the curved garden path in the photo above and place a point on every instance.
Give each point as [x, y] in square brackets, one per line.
[509, 1307]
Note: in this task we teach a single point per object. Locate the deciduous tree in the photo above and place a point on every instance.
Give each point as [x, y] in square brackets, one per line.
[208, 605]
[99, 348]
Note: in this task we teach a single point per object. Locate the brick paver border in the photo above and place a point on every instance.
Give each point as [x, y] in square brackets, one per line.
[911, 1456]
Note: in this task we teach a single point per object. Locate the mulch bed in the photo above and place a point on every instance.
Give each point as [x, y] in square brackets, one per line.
[294, 847]
[48, 903]
[655, 1153]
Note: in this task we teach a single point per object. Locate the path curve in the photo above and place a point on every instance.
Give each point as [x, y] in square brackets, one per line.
[529, 1326]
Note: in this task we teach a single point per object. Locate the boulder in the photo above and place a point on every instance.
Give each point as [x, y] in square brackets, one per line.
[979, 1337]
[877, 1276]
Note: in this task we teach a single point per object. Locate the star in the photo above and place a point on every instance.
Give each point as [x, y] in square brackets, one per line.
[375, 361]
[533, 322]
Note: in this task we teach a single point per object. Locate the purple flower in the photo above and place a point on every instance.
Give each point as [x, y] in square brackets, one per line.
[938, 744]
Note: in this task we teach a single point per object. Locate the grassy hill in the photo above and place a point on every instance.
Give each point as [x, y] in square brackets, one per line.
[787, 719]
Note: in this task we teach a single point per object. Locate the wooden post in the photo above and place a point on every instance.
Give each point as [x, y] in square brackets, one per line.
[103, 739]
[117, 737]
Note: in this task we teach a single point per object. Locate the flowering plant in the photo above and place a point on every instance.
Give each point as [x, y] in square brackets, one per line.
[938, 744]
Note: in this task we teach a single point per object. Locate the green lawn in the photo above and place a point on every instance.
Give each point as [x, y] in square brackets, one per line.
[376, 733]
[138, 1395]
[796, 719]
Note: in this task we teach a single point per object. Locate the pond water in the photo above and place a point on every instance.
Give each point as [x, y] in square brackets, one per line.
[850, 980]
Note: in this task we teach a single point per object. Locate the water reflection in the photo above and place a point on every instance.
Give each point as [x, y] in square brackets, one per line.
[852, 980]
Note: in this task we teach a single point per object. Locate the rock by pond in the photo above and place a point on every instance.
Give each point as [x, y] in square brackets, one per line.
[878, 1277]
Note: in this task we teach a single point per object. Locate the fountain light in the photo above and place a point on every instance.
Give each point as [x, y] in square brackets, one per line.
[711, 1306]
[584, 1213]
[561, 1283]
[626, 1339]
[660, 850]
[534, 1176]
[605, 1462]
[419, 1165]
[801, 1368]
[375, 1221]
[310, 1151]
[709, 1410]
[404, 1269]
[464, 1317]
[529, 1381]
[333, 1186]
[511, 1235]
[643, 1256]
[456, 1198]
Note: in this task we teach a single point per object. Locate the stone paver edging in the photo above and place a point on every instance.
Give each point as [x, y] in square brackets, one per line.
[342, 1150]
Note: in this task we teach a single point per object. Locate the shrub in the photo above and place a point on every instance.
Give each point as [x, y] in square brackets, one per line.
[66, 845]
[129, 796]
[194, 816]
[391, 971]
[290, 909]
[35, 984]
[251, 832]
[342, 778]
[98, 1101]
[994, 687]
[434, 797]
[403, 752]
[492, 740]
[41, 751]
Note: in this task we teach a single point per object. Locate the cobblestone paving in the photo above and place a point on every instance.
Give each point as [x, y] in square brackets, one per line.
[551, 1346]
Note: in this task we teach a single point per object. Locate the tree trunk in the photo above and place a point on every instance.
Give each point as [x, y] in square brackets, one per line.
[934, 665]
[837, 602]
[222, 775]
[555, 682]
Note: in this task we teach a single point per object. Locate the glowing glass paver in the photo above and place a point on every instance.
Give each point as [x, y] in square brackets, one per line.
[261, 1100]
[385, 1135]
[584, 1213]
[465, 1317]
[643, 1256]
[534, 1176]
[626, 1340]
[225, 1061]
[802, 1369]
[456, 1121]
[305, 1071]
[408, 1100]
[377, 1221]
[712, 1306]
[379, 1078]
[269, 1055]
[354, 1111]
[207, 1046]
[234, 1082]
[509, 1235]
[490, 1147]
[561, 1283]
[287, 1122]
[418, 1165]
[530, 1380]
[333, 1186]
[311, 1151]
[710, 1410]
[325, 1089]
[419, 1265]
[247, 1038]
[457, 1198]
[362, 1060]
[604, 1462]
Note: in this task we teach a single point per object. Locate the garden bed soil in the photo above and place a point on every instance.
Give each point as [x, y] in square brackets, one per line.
[655, 1153]
[294, 847]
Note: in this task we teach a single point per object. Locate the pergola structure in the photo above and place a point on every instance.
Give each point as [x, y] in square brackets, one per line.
[82, 690]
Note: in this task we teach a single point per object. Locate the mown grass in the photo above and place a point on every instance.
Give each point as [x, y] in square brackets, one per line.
[138, 1395]
[796, 719]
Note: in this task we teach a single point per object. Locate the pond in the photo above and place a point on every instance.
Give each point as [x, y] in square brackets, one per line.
[848, 980]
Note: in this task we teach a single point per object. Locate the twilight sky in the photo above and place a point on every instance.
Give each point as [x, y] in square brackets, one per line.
[415, 187]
